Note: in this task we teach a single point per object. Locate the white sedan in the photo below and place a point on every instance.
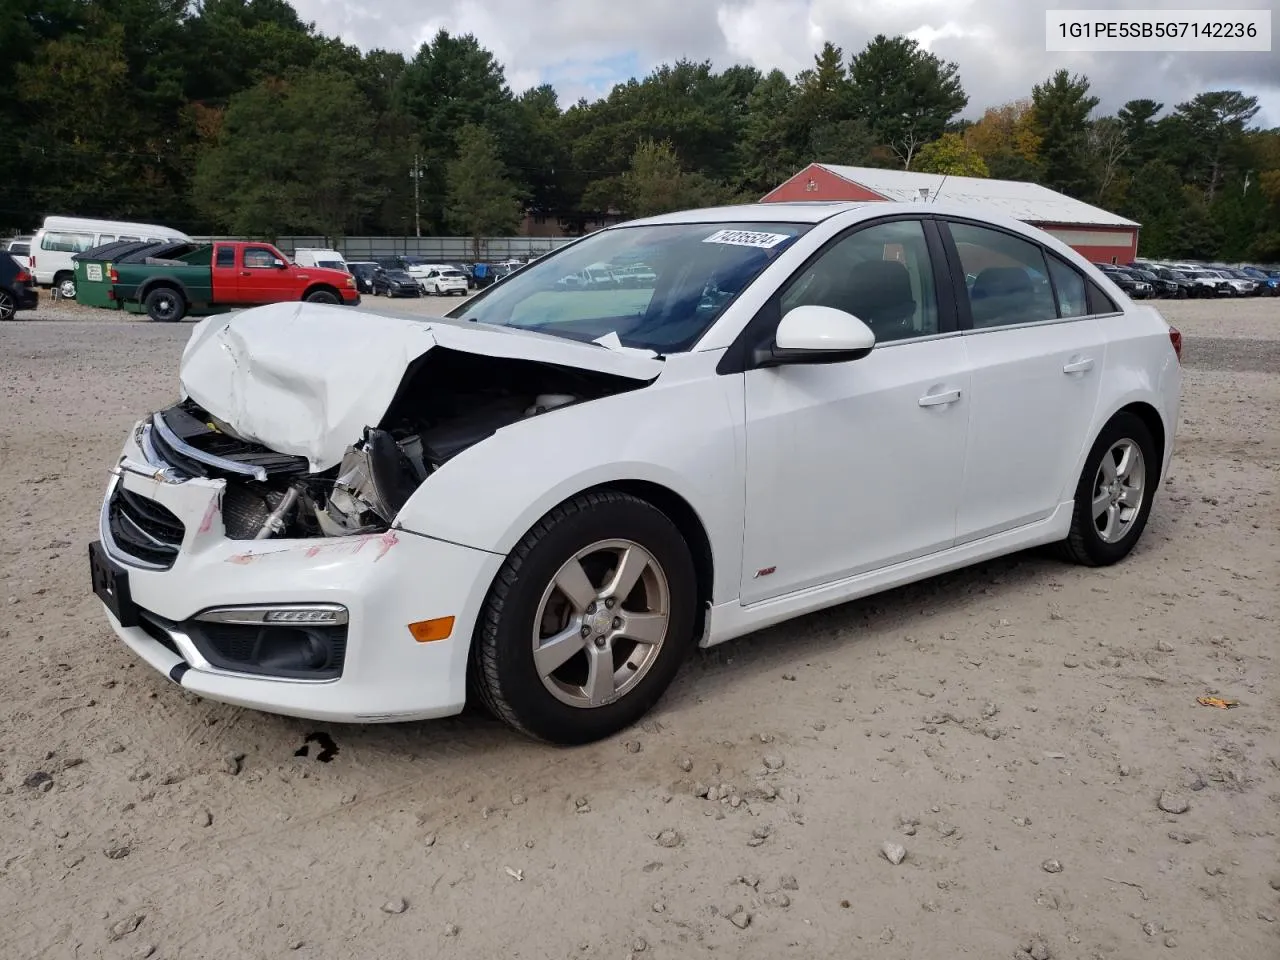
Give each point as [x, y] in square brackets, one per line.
[547, 498]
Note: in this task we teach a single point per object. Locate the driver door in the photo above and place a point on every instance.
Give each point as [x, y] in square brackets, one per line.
[855, 466]
[261, 281]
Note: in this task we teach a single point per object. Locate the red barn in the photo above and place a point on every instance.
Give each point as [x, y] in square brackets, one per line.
[1100, 236]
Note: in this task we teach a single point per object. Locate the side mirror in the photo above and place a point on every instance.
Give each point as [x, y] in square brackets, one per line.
[279, 264]
[814, 334]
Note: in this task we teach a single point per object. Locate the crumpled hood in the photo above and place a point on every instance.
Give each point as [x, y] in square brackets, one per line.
[307, 378]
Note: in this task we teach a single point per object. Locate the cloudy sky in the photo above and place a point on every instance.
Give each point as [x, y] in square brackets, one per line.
[583, 47]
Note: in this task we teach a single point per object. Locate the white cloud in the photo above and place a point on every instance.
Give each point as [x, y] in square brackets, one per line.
[999, 44]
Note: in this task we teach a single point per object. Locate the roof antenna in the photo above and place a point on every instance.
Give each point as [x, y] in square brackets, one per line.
[940, 186]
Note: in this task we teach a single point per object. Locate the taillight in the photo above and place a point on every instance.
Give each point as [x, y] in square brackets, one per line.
[1175, 337]
[32, 260]
[22, 277]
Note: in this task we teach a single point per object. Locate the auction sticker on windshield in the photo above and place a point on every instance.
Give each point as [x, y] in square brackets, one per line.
[747, 238]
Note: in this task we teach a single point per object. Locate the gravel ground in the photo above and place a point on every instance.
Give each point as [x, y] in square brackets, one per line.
[1023, 736]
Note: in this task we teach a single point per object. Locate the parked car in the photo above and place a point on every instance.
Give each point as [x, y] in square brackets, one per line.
[1137, 288]
[17, 288]
[1268, 284]
[1210, 283]
[1186, 286]
[395, 283]
[1245, 285]
[59, 238]
[1236, 287]
[363, 271]
[204, 278]
[1160, 286]
[555, 498]
[20, 249]
[441, 281]
[313, 257]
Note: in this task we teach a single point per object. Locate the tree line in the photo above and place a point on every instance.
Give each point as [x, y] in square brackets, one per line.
[236, 116]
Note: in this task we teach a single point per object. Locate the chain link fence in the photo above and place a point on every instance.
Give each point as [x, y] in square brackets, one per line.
[432, 248]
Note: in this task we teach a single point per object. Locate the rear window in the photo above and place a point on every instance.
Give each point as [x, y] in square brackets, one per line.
[331, 264]
[21, 249]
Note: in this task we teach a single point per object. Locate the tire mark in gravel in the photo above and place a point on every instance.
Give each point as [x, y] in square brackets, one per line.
[1236, 355]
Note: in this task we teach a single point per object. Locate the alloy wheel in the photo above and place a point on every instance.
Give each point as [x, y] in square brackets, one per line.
[1118, 490]
[601, 623]
[7, 306]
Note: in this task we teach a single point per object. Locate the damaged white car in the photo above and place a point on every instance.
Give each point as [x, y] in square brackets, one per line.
[547, 498]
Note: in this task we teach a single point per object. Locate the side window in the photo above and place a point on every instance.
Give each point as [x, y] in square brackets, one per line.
[881, 274]
[1099, 302]
[226, 257]
[67, 242]
[1069, 287]
[258, 258]
[106, 238]
[1005, 276]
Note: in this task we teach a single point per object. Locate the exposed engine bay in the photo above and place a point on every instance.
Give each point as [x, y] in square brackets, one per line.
[447, 402]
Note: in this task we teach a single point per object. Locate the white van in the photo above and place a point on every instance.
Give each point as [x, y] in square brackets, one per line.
[60, 237]
[313, 257]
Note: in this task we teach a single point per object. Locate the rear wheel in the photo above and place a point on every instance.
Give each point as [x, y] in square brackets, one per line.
[1114, 495]
[165, 305]
[8, 306]
[65, 283]
[588, 620]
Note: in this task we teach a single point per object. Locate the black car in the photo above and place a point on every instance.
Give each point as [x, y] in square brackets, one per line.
[1161, 286]
[395, 283]
[363, 271]
[1186, 286]
[17, 288]
[1122, 278]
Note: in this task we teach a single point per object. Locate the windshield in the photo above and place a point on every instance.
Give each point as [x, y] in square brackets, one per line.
[691, 272]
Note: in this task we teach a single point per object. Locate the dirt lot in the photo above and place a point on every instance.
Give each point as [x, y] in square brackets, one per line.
[1012, 727]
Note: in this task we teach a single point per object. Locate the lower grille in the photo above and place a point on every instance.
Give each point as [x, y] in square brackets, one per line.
[144, 529]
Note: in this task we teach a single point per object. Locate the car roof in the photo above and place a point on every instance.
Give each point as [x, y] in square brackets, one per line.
[852, 211]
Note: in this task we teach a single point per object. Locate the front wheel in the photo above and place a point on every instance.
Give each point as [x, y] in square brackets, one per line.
[165, 305]
[588, 620]
[1114, 495]
[8, 306]
[322, 296]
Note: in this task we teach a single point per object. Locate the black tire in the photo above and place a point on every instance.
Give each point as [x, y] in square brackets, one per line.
[8, 305]
[165, 305]
[322, 296]
[1084, 544]
[502, 672]
[65, 285]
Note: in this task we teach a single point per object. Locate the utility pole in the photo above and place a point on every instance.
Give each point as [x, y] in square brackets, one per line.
[416, 175]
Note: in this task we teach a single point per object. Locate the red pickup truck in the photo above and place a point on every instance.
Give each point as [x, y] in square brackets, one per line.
[205, 278]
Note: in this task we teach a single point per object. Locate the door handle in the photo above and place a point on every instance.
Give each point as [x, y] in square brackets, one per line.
[245, 273]
[936, 399]
[1078, 366]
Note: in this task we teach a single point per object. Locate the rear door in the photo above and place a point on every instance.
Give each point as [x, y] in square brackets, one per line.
[1037, 351]
[226, 275]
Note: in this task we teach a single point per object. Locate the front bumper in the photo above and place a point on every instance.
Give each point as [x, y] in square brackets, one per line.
[386, 582]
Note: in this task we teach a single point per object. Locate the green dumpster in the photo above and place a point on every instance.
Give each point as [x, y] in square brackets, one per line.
[93, 270]
[93, 282]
